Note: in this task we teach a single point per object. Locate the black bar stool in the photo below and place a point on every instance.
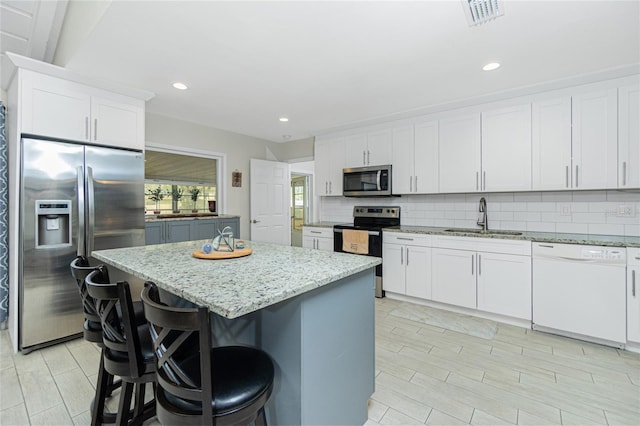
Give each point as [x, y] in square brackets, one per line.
[197, 384]
[127, 350]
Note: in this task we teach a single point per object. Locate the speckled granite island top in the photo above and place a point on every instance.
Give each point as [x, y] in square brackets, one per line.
[235, 287]
[541, 237]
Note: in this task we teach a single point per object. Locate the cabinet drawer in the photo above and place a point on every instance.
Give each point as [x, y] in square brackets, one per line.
[491, 245]
[407, 239]
[317, 232]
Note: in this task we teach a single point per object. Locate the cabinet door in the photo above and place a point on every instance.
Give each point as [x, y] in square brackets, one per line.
[633, 302]
[234, 224]
[426, 158]
[356, 150]
[204, 229]
[393, 270]
[418, 271]
[551, 145]
[329, 162]
[629, 137]
[54, 107]
[177, 231]
[595, 140]
[506, 149]
[402, 160]
[459, 154]
[308, 242]
[504, 284]
[379, 147]
[325, 244]
[116, 123]
[454, 277]
[153, 233]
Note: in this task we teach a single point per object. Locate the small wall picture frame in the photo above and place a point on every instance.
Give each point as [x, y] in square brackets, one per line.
[236, 179]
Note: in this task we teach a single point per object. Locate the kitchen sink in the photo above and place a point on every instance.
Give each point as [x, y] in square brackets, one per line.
[482, 231]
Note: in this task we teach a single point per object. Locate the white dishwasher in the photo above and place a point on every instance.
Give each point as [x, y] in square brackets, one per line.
[580, 291]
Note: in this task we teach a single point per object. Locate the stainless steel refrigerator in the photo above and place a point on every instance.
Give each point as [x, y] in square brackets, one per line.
[74, 199]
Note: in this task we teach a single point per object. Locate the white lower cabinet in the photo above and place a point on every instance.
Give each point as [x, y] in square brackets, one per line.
[491, 275]
[317, 238]
[454, 277]
[633, 295]
[504, 284]
[407, 264]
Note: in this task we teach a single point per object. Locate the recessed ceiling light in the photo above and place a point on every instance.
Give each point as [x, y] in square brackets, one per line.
[180, 86]
[284, 119]
[491, 66]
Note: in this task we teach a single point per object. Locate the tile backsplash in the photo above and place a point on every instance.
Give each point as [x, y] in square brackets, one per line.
[584, 212]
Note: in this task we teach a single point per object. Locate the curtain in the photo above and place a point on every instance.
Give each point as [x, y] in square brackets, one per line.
[4, 222]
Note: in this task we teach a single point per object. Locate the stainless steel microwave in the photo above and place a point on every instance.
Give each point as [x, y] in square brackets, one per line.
[373, 181]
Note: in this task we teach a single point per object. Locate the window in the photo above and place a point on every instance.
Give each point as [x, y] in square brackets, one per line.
[180, 183]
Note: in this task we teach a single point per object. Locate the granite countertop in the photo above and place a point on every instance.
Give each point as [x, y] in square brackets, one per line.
[323, 224]
[235, 287]
[542, 237]
[187, 216]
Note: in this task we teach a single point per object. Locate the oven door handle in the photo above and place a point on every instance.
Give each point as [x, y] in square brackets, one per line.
[374, 233]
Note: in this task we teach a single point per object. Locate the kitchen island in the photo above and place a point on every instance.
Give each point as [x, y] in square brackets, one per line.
[311, 310]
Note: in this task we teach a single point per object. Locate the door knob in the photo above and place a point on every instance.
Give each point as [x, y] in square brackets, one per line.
[255, 221]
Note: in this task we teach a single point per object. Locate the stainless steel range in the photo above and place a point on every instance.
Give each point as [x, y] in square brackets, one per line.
[369, 219]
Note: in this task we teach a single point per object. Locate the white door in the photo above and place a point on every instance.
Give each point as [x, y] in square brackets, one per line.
[454, 277]
[459, 153]
[418, 271]
[551, 145]
[393, 273]
[270, 193]
[506, 149]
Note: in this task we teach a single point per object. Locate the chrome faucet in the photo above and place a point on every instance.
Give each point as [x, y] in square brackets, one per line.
[482, 218]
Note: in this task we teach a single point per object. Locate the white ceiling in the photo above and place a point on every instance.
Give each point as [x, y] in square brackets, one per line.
[327, 65]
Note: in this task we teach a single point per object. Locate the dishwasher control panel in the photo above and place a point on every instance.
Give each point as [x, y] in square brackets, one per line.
[603, 254]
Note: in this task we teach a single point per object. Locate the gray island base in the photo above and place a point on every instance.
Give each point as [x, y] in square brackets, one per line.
[312, 311]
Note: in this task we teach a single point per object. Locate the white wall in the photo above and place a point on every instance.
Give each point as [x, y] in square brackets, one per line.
[239, 149]
[584, 212]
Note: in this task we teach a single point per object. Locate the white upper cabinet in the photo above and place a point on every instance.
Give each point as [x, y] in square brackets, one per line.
[551, 150]
[368, 149]
[459, 153]
[61, 108]
[629, 136]
[329, 160]
[594, 121]
[506, 149]
[415, 158]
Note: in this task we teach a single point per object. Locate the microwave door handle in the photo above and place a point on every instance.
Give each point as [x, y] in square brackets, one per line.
[378, 179]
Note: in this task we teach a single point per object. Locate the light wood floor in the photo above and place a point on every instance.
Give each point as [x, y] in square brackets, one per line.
[424, 375]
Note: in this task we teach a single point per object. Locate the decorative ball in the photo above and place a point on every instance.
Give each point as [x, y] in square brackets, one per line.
[207, 248]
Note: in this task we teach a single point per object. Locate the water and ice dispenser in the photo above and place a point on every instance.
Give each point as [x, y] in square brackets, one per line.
[53, 224]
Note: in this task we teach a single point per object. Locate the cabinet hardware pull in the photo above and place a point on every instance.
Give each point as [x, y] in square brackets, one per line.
[316, 232]
[326, 187]
[330, 189]
[401, 256]
[404, 238]
[566, 176]
[410, 184]
[545, 245]
[86, 128]
[633, 283]
[416, 185]
[368, 157]
[624, 173]
[479, 264]
[95, 129]
[407, 256]
[576, 175]
[484, 180]
[473, 256]
[364, 156]
[477, 187]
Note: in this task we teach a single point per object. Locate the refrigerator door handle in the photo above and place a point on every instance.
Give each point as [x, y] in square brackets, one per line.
[92, 211]
[81, 216]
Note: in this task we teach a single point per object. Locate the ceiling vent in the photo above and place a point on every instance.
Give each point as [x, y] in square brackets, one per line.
[480, 11]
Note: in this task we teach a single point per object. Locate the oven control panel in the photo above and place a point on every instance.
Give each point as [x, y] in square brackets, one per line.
[376, 211]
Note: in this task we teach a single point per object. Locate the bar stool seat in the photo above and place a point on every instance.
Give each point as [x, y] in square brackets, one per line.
[198, 384]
